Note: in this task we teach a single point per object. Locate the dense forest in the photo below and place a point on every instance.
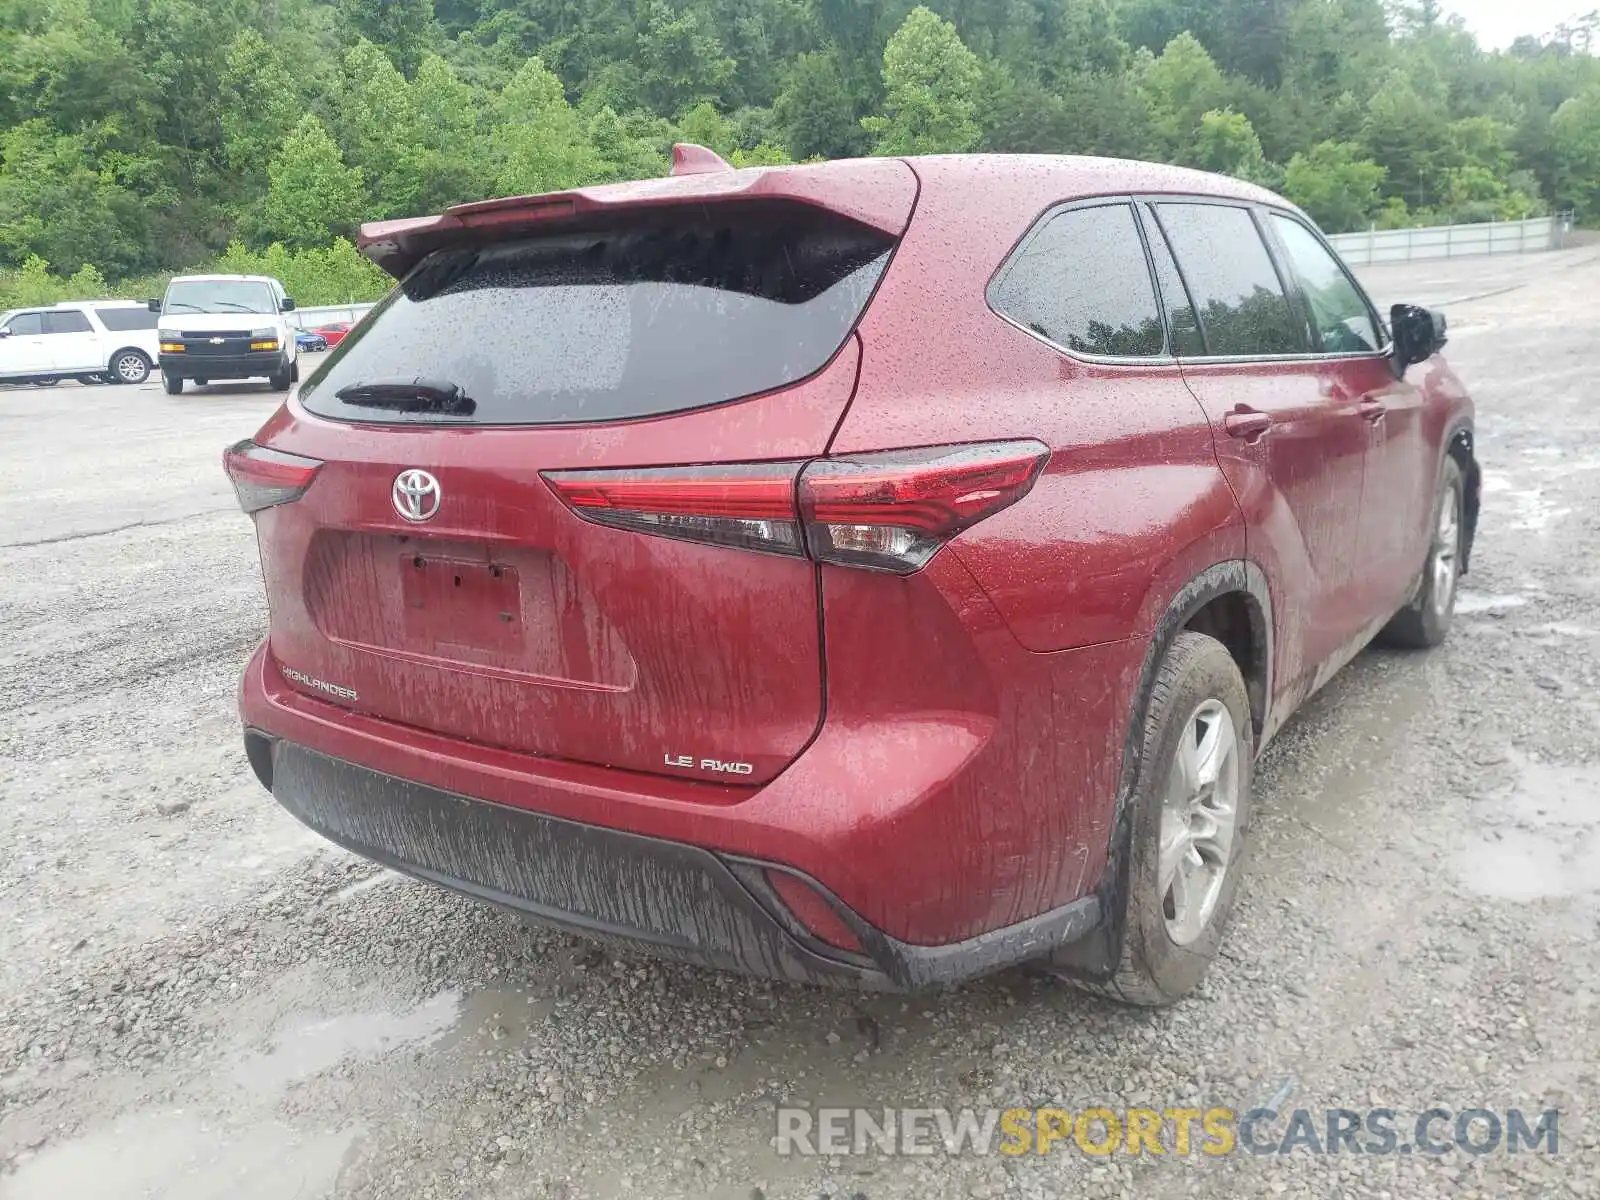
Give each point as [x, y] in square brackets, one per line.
[142, 136]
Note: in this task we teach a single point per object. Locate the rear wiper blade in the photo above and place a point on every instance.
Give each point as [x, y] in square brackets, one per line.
[410, 395]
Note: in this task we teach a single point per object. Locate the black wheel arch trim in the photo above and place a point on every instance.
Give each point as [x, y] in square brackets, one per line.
[1463, 434]
[1096, 955]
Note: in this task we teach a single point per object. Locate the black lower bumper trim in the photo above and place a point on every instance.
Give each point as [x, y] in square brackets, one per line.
[249, 365]
[667, 898]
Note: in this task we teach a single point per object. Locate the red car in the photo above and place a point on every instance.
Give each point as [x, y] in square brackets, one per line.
[333, 333]
[883, 570]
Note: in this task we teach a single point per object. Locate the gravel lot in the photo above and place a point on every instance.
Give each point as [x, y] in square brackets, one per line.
[198, 998]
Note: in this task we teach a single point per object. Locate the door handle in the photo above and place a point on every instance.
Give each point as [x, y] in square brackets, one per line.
[1372, 410]
[1247, 426]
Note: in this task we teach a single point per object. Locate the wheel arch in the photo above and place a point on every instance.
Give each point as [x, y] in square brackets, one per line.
[1233, 598]
[1461, 444]
[1230, 598]
[111, 359]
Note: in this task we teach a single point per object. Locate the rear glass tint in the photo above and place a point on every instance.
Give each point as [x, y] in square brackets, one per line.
[122, 319]
[689, 310]
[1082, 282]
[1244, 312]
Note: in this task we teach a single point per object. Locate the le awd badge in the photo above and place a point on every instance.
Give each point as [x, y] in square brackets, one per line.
[688, 762]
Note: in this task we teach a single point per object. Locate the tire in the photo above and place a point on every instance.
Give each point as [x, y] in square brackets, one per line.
[281, 381]
[129, 366]
[1426, 621]
[172, 384]
[1166, 947]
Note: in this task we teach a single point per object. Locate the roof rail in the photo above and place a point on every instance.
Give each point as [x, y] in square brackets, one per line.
[690, 159]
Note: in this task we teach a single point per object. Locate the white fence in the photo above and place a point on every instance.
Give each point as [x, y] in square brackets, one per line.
[1452, 241]
[326, 314]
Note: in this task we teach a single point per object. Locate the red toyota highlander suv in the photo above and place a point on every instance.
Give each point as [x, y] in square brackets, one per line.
[884, 570]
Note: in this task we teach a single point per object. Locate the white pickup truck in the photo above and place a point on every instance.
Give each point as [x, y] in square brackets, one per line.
[96, 341]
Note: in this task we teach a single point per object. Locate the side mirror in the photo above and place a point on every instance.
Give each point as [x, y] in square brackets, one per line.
[153, 305]
[5, 331]
[286, 304]
[1418, 335]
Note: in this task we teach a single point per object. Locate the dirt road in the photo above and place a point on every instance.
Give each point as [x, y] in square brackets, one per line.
[200, 999]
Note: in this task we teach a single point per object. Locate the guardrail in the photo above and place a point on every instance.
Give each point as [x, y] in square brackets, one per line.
[324, 314]
[1453, 241]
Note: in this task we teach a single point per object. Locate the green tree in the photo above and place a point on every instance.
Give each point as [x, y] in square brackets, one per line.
[930, 83]
[1227, 143]
[1335, 184]
[1407, 134]
[1180, 87]
[382, 134]
[1575, 138]
[764, 154]
[259, 105]
[816, 110]
[539, 143]
[68, 199]
[705, 126]
[311, 193]
[679, 61]
[453, 158]
[619, 153]
[400, 27]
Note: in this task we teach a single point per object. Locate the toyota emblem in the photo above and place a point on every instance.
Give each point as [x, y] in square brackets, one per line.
[416, 495]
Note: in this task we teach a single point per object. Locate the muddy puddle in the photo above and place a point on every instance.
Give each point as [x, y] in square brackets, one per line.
[188, 1151]
[1538, 839]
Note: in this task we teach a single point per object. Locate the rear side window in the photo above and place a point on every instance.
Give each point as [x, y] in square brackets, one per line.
[681, 312]
[1243, 310]
[123, 319]
[68, 321]
[1342, 318]
[1081, 280]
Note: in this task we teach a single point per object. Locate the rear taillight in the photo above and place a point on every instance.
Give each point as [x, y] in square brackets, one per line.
[747, 506]
[893, 511]
[263, 476]
[888, 512]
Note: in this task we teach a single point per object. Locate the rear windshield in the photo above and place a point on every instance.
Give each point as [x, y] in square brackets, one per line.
[567, 328]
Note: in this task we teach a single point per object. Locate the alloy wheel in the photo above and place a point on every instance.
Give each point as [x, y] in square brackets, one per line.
[1199, 815]
[1446, 550]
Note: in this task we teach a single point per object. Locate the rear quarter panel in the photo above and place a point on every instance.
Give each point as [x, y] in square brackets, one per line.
[1132, 504]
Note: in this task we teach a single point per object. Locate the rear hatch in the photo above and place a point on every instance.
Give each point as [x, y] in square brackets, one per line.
[437, 572]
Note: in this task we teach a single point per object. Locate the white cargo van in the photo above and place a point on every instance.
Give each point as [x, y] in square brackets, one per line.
[225, 327]
[95, 341]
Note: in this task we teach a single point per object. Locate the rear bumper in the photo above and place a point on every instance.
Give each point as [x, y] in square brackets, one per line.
[670, 899]
[248, 365]
[961, 802]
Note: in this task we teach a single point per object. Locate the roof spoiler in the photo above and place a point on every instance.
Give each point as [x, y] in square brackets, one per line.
[878, 192]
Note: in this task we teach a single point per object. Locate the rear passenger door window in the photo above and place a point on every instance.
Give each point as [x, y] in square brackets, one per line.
[1243, 309]
[1082, 282]
[1339, 312]
[67, 321]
